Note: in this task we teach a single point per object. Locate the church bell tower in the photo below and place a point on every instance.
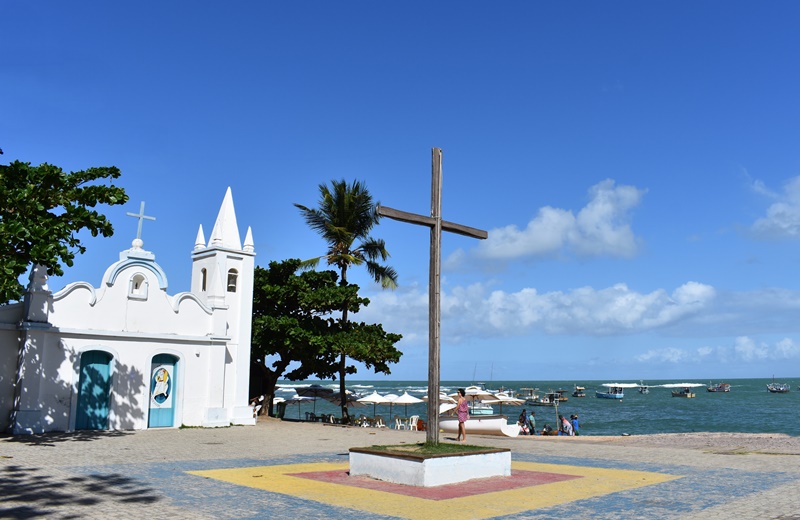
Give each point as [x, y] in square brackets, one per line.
[222, 277]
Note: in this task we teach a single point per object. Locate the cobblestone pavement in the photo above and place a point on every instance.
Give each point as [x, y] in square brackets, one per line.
[147, 473]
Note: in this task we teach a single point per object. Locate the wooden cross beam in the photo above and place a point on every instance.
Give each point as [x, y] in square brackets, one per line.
[437, 225]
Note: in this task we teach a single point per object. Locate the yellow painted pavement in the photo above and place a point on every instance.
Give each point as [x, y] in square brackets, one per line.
[594, 482]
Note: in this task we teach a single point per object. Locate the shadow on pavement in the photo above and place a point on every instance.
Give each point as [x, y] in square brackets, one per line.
[50, 439]
[29, 493]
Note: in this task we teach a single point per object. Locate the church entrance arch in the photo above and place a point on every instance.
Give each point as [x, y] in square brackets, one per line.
[94, 391]
[162, 391]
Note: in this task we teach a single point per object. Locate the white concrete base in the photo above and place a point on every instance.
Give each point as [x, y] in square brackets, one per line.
[429, 471]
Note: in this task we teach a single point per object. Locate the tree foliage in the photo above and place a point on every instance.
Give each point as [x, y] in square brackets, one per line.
[292, 325]
[344, 218]
[43, 210]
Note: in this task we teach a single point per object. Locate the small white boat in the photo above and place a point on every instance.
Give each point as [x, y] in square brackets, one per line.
[481, 424]
[479, 408]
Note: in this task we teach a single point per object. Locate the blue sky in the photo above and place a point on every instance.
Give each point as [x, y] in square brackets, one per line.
[635, 163]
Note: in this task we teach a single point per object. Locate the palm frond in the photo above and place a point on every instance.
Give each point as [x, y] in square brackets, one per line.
[383, 274]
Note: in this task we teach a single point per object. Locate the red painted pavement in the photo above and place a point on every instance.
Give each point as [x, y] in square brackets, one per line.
[518, 479]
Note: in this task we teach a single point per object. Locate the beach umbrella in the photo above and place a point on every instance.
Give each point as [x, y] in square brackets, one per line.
[295, 399]
[502, 398]
[314, 391]
[407, 399]
[475, 393]
[446, 407]
[390, 398]
[375, 399]
[351, 399]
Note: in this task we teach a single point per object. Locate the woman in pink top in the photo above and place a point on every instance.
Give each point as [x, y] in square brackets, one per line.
[463, 415]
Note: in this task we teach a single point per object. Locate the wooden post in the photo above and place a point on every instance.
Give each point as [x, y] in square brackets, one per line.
[437, 225]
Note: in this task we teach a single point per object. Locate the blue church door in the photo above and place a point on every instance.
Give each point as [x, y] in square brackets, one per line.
[162, 391]
[94, 389]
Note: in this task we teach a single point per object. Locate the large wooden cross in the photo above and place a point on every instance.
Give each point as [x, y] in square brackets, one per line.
[437, 225]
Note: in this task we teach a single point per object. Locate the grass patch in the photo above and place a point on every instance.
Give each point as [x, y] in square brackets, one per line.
[429, 449]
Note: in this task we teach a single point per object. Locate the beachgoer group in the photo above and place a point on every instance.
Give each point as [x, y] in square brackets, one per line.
[527, 425]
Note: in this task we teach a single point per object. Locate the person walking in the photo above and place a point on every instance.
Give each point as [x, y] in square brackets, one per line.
[566, 427]
[462, 408]
[575, 424]
[532, 422]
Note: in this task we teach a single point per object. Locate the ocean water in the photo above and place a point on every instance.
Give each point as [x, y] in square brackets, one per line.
[748, 407]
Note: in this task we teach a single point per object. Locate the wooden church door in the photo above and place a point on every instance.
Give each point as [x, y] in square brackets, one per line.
[162, 391]
[94, 389]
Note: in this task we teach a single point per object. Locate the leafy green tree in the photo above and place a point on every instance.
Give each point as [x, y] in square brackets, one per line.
[344, 218]
[292, 323]
[43, 210]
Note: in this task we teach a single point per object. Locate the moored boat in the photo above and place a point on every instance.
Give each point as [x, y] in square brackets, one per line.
[529, 395]
[778, 388]
[580, 391]
[614, 390]
[548, 399]
[684, 392]
[611, 393]
[484, 425]
[719, 387]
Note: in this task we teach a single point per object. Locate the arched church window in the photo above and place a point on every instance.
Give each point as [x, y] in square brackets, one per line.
[233, 274]
[138, 287]
[204, 274]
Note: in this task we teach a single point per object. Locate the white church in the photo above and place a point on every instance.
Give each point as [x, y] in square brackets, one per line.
[127, 355]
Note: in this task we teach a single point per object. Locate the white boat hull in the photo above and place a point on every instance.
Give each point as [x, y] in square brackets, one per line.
[481, 424]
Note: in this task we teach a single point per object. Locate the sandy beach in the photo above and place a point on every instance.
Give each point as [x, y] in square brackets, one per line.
[38, 468]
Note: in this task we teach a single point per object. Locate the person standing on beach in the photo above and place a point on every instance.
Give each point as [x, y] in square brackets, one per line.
[566, 427]
[463, 415]
[574, 421]
[532, 422]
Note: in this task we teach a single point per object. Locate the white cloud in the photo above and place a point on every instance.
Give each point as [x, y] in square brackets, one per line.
[613, 310]
[743, 350]
[600, 228]
[665, 355]
[476, 311]
[783, 216]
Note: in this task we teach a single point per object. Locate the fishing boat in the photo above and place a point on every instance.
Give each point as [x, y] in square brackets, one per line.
[560, 395]
[683, 392]
[643, 388]
[778, 388]
[614, 390]
[550, 398]
[719, 387]
[529, 395]
[580, 391]
[484, 425]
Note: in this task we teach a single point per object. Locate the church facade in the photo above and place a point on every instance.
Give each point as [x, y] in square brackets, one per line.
[127, 355]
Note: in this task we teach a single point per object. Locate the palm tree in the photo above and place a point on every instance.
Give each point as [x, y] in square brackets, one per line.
[344, 218]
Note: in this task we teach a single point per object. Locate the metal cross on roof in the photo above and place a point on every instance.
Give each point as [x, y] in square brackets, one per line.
[437, 225]
[141, 216]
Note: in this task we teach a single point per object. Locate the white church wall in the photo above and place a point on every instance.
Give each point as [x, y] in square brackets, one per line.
[9, 348]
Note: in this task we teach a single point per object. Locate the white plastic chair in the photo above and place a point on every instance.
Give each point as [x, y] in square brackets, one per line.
[412, 422]
[398, 423]
[379, 422]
